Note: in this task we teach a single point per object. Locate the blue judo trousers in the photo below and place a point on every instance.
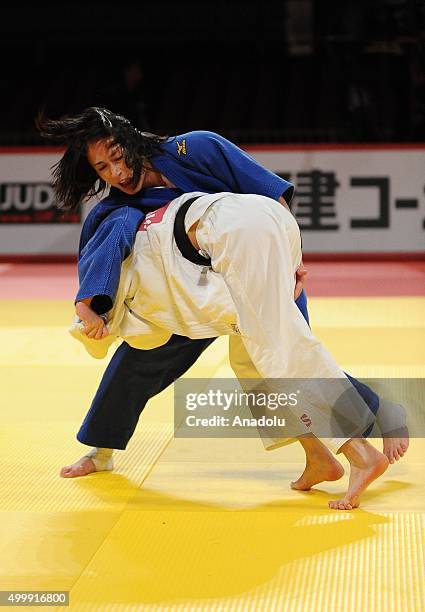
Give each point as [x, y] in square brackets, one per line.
[195, 161]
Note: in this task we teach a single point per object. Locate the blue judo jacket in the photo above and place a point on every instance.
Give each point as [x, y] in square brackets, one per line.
[194, 161]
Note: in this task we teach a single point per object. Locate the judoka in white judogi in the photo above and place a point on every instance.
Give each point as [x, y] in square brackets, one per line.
[247, 293]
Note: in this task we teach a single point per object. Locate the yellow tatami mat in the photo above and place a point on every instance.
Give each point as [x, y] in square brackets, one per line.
[200, 524]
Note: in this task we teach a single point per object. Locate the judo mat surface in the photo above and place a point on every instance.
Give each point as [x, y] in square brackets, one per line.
[203, 524]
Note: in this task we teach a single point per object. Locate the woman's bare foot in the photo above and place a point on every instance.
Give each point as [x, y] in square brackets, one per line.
[395, 447]
[96, 460]
[82, 467]
[321, 465]
[392, 421]
[366, 465]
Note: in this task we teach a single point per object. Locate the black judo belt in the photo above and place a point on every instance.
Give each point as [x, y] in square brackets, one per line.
[186, 248]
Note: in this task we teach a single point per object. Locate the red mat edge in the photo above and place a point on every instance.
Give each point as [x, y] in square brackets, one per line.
[72, 258]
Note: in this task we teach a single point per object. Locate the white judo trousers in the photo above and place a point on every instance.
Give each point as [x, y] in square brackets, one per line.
[254, 243]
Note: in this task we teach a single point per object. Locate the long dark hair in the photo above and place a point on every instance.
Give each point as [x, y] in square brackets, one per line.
[74, 179]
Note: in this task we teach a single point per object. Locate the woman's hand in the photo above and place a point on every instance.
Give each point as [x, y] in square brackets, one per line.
[300, 275]
[94, 325]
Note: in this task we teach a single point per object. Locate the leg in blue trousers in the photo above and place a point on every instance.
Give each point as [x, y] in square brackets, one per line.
[366, 393]
[132, 377]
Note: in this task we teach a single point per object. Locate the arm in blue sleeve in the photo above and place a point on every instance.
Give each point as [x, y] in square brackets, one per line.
[99, 264]
[217, 156]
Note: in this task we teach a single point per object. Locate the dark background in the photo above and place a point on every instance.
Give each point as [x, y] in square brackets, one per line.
[285, 72]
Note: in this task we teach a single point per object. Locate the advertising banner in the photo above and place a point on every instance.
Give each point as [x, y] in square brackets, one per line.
[348, 199]
[354, 200]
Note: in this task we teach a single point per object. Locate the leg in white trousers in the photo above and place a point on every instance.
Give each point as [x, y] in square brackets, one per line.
[256, 246]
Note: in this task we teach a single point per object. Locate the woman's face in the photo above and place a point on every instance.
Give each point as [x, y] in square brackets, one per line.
[109, 162]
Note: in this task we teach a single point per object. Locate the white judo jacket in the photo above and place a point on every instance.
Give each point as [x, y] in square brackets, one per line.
[161, 292]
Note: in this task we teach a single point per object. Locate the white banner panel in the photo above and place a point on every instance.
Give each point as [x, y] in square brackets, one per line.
[30, 223]
[355, 200]
[348, 199]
